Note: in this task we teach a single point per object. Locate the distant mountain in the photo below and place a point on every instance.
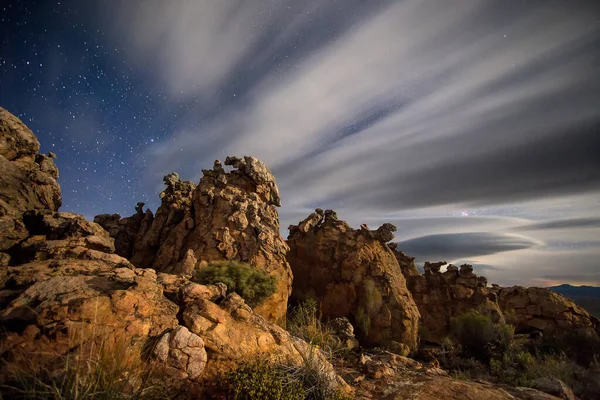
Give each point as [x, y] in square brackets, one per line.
[587, 297]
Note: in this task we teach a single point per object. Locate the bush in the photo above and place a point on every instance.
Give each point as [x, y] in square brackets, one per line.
[474, 332]
[279, 381]
[521, 368]
[260, 380]
[252, 284]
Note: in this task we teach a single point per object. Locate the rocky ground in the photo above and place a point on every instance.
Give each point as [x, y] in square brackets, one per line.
[68, 285]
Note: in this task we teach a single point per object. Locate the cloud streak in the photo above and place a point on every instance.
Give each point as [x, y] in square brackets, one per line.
[463, 245]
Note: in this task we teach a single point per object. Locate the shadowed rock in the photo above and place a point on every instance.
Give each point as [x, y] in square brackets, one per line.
[27, 179]
[353, 274]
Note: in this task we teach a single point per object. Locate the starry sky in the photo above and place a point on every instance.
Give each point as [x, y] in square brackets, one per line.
[473, 126]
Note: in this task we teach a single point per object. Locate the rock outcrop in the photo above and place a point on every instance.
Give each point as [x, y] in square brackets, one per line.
[27, 180]
[64, 293]
[540, 309]
[353, 274]
[73, 294]
[227, 216]
[441, 296]
[70, 293]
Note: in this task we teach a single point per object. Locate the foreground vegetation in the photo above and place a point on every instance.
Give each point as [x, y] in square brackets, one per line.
[103, 371]
[479, 349]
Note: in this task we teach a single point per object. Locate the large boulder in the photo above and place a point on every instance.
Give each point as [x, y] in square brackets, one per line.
[27, 179]
[227, 216]
[352, 273]
[441, 296]
[540, 309]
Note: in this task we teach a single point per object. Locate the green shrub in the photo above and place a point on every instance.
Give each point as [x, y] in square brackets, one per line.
[479, 337]
[474, 332]
[252, 284]
[261, 380]
[517, 367]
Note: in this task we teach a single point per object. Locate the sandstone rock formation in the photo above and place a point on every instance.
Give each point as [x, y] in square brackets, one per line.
[72, 294]
[441, 296]
[353, 274]
[531, 309]
[227, 216]
[27, 180]
[64, 293]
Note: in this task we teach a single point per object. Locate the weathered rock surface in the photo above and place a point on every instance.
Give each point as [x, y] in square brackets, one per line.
[531, 309]
[384, 375]
[227, 216]
[345, 332]
[71, 293]
[68, 298]
[183, 351]
[27, 179]
[126, 231]
[353, 274]
[441, 296]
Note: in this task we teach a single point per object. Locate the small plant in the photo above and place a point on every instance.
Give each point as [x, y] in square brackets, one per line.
[304, 321]
[583, 346]
[252, 284]
[316, 380]
[261, 380]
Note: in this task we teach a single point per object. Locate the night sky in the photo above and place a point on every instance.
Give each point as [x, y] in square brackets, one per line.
[473, 126]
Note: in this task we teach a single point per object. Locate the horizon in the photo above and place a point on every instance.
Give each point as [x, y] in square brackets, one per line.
[473, 127]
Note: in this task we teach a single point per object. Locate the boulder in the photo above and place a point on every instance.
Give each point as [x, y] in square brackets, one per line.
[182, 350]
[353, 274]
[540, 309]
